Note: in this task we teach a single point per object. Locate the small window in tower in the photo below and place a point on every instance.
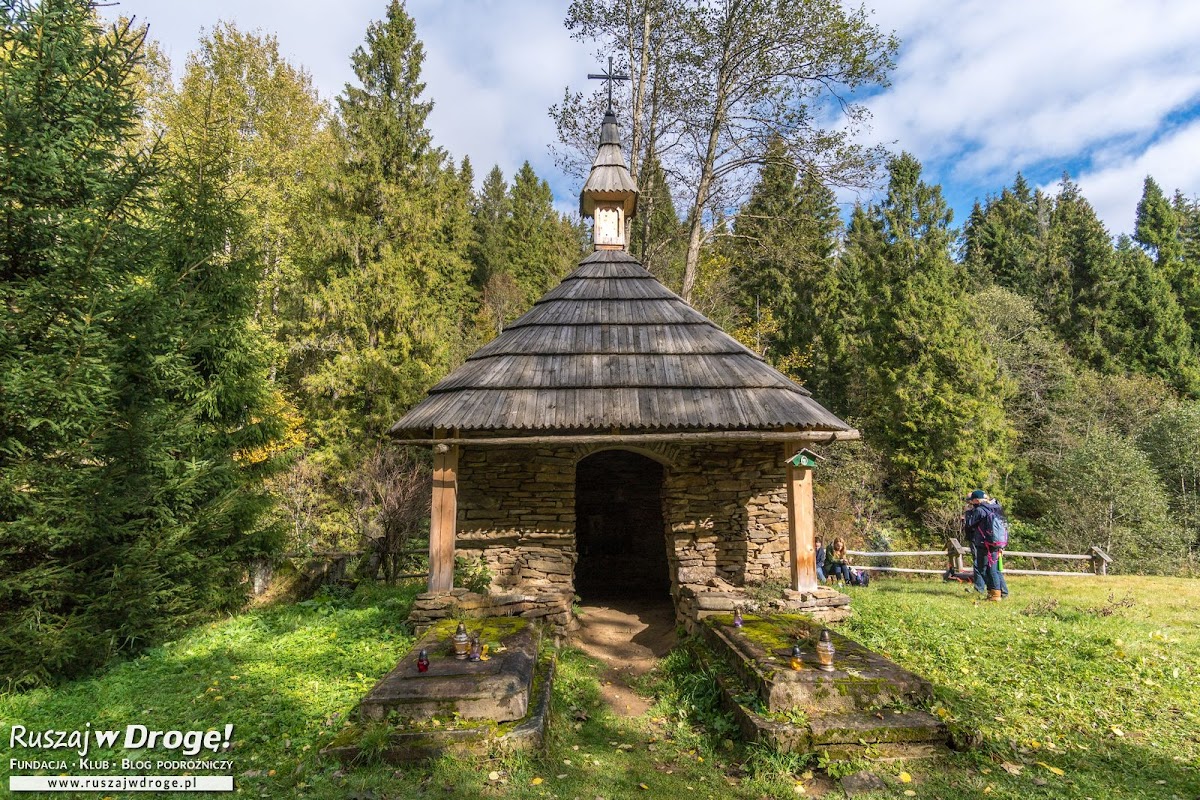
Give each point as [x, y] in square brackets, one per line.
[607, 228]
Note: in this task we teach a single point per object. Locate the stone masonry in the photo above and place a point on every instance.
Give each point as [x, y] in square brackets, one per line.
[724, 514]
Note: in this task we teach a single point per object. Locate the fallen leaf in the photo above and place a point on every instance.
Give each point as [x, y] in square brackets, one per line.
[905, 777]
[560, 777]
[987, 789]
[1117, 731]
[643, 786]
[1055, 770]
[535, 782]
[493, 776]
[1010, 768]
[909, 793]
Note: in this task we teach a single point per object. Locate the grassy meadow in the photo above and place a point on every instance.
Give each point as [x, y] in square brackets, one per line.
[1074, 688]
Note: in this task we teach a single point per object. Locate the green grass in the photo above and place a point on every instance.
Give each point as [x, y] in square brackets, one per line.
[1097, 678]
[1051, 675]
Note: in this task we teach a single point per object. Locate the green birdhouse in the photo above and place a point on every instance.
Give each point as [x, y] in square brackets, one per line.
[805, 458]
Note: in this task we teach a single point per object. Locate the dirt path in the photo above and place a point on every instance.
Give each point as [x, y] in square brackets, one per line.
[629, 636]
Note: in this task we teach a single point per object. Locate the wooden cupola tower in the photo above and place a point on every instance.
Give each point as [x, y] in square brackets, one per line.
[609, 196]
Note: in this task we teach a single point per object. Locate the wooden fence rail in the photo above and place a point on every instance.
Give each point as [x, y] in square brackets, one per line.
[955, 552]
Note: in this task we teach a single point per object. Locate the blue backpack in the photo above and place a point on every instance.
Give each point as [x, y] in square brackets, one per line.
[996, 534]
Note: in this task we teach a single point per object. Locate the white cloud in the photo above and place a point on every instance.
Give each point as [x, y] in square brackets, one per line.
[1114, 185]
[984, 89]
[493, 69]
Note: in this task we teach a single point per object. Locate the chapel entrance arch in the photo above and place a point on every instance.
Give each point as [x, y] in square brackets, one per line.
[619, 533]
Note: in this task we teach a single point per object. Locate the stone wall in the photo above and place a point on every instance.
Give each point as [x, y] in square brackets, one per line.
[725, 509]
[724, 517]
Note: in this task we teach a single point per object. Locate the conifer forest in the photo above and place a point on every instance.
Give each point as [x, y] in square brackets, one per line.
[219, 290]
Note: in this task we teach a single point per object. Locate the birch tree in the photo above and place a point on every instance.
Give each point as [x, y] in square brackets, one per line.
[731, 75]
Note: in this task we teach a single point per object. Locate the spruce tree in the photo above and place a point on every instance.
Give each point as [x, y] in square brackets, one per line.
[536, 254]
[393, 279]
[764, 268]
[1186, 279]
[783, 242]
[658, 238]
[1003, 240]
[489, 212]
[1156, 227]
[932, 387]
[818, 233]
[1153, 336]
[133, 390]
[1080, 279]
[839, 304]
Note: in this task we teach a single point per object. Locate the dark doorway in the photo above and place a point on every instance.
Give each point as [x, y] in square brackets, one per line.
[619, 527]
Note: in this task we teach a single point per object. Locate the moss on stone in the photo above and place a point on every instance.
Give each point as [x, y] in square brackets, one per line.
[491, 630]
[774, 634]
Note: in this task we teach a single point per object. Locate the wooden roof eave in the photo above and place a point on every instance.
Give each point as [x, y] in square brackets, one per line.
[807, 436]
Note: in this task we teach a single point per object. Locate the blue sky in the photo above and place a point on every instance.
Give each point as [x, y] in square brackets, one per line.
[1108, 90]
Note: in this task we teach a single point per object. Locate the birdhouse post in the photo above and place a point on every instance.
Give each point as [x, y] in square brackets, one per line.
[801, 527]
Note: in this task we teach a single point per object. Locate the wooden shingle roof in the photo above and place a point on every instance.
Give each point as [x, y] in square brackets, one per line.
[612, 348]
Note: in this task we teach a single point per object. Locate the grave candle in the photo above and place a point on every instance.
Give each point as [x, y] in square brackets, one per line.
[462, 644]
[825, 651]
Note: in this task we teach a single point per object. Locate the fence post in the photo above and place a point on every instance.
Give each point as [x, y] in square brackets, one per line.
[1100, 560]
[954, 555]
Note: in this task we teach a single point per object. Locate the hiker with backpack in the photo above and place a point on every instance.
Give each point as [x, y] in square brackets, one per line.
[987, 530]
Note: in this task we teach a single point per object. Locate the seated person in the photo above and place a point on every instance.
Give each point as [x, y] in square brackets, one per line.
[837, 564]
[820, 560]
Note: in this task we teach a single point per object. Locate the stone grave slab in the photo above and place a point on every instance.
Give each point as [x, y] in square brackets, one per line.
[497, 689]
[867, 706]
[761, 654]
[458, 707]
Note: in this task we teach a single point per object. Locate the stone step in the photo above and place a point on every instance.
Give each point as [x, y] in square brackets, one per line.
[882, 727]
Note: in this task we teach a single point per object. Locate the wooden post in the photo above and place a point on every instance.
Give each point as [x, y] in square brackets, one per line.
[801, 529]
[443, 518]
[1100, 560]
[954, 554]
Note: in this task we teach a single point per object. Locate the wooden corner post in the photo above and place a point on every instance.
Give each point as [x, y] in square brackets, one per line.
[801, 526]
[443, 517]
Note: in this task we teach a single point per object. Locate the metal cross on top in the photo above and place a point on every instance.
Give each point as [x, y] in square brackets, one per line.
[609, 77]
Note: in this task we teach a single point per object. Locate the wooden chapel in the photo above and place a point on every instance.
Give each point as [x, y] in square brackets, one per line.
[615, 440]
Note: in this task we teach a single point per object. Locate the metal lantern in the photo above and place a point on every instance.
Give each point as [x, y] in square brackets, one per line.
[737, 617]
[423, 661]
[462, 643]
[825, 651]
[476, 648]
